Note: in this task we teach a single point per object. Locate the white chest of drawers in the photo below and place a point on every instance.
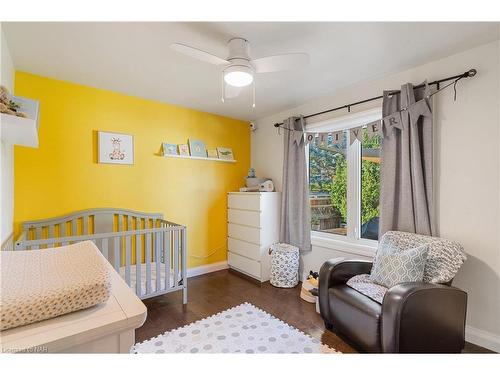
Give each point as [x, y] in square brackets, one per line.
[253, 225]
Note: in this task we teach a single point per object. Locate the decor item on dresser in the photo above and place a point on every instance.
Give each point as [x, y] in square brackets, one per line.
[184, 150]
[267, 185]
[169, 149]
[197, 148]
[284, 265]
[426, 316]
[116, 148]
[253, 226]
[225, 153]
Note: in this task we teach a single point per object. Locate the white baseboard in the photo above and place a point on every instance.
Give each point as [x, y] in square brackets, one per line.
[482, 338]
[207, 268]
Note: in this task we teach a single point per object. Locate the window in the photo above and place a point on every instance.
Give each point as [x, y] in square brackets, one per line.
[328, 186]
[370, 185]
[344, 181]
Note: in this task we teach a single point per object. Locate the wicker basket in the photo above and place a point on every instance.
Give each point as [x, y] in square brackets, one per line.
[284, 265]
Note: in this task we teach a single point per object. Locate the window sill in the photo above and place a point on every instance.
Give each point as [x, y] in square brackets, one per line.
[366, 248]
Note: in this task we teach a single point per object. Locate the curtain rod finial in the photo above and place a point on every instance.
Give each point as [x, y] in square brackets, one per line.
[471, 73]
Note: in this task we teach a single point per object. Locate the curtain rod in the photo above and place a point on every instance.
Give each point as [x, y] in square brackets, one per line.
[467, 74]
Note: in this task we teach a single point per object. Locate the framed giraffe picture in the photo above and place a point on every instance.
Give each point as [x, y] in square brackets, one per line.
[116, 148]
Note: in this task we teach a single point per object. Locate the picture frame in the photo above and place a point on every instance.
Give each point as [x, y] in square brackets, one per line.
[115, 148]
[184, 150]
[169, 149]
[225, 153]
[212, 154]
[197, 148]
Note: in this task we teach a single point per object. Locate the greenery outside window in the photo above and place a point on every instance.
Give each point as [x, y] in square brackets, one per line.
[344, 181]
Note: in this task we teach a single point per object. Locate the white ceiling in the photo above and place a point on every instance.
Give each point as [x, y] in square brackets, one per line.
[135, 58]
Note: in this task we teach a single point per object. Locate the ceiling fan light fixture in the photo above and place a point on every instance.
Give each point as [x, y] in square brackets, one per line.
[238, 76]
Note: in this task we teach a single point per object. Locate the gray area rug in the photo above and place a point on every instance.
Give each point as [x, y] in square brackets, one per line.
[241, 329]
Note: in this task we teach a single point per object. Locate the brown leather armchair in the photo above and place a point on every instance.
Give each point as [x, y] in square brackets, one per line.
[414, 317]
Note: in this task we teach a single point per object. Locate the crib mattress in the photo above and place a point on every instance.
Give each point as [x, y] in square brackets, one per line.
[133, 277]
[42, 284]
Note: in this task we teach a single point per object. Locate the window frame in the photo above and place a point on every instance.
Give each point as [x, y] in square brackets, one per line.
[352, 241]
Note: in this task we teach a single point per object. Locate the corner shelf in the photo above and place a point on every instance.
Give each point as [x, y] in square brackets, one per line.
[198, 158]
[21, 131]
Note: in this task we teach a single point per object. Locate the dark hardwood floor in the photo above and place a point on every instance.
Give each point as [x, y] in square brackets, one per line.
[212, 293]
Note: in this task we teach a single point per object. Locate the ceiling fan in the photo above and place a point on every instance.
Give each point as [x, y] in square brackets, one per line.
[239, 69]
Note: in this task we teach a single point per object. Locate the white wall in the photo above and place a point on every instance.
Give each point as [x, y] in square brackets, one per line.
[467, 170]
[6, 151]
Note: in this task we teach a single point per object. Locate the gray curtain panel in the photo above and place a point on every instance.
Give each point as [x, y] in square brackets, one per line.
[295, 210]
[406, 197]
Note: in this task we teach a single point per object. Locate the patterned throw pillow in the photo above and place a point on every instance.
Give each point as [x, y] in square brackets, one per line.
[443, 261]
[392, 266]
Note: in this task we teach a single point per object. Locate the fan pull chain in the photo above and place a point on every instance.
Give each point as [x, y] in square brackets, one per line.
[223, 93]
[253, 94]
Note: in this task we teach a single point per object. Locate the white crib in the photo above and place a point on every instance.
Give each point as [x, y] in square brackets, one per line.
[146, 250]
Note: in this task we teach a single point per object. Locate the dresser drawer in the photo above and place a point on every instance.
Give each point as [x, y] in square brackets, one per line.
[250, 218]
[244, 201]
[247, 249]
[248, 266]
[241, 232]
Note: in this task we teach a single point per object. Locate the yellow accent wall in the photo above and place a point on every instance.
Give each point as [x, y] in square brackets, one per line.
[63, 175]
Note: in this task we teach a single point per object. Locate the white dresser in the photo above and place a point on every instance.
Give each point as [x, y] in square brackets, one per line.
[253, 225]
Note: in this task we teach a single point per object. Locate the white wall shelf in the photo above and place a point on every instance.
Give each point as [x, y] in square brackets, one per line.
[198, 158]
[21, 131]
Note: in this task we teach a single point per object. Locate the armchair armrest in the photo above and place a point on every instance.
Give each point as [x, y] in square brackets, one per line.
[334, 273]
[421, 317]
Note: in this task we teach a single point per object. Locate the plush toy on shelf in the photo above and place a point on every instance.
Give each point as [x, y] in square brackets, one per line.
[7, 105]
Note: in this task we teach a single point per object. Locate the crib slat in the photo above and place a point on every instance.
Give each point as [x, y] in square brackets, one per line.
[51, 231]
[38, 233]
[85, 225]
[120, 223]
[116, 247]
[127, 259]
[62, 232]
[148, 263]
[104, 248]
[74, 227]
[176, 257]
[158, 243]
[166, 258]
[138, 279]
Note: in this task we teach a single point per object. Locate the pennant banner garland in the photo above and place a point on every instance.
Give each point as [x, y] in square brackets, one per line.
[380, 127]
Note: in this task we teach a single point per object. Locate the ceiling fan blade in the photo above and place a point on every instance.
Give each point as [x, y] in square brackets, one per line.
[198, 54]
[288, 61]
[232, 91]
